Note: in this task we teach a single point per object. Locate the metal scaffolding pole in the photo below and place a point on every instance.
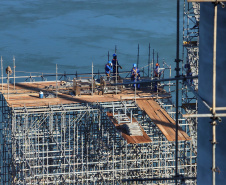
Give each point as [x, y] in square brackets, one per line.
[2, 71]
[177, 90]
[214, 142]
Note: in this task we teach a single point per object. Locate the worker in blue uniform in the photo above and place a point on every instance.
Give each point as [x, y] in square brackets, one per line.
[188, 72]
[135, 75]
[108, 69]
[115, 65]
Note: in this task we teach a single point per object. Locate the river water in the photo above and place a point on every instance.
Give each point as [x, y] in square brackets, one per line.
[75, 33]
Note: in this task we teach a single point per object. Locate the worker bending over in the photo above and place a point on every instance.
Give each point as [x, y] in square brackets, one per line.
[135, 75]
[108, 69]
[115, 65]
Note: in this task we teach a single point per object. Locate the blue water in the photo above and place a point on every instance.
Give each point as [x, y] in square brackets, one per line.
[73, 33]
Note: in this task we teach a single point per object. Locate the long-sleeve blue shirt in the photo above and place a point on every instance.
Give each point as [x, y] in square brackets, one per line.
[108, 69]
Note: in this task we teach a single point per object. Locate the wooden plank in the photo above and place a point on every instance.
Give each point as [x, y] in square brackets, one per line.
[181, 133]
[170, 127]
[162, 120]
[143, 104]
[180, 130]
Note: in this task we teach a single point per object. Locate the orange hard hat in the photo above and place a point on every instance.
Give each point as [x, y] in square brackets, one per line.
[157, 64]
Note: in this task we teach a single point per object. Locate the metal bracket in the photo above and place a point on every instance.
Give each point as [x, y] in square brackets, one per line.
[216, 170]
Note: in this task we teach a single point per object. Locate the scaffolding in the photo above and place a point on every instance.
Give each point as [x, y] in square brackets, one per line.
[190, 66]
[213, 109]
[191, 18]
[77, 144]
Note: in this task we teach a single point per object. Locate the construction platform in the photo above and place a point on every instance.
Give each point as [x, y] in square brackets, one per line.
[26, 94]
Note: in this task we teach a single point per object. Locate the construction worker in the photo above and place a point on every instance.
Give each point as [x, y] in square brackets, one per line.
[9, 70]
[115, 64]
[157, 71]
[108, 69]
[188, 72]
[157, 74]
[135, 75]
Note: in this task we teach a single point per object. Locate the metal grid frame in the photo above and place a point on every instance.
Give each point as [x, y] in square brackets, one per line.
[191, 14]
[191, 57]
[77, 144]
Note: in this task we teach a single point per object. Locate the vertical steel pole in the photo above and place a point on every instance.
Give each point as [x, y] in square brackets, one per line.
[92, 78]
[149, 58]
[152, 73]
[116, 73]
[214, 95]
[2, 72]
[170, 77]
[108, 56]
[177, 89]
[157, 57]
[116, 65]
[135, 92]
[8, 84]
[56, 83]
[14, 71]
[153, 61]
[138, 56]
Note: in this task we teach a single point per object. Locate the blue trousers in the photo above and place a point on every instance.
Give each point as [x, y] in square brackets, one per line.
[138, 85]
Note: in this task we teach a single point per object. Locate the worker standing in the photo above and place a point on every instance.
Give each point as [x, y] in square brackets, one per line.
[115, 65]
[188, 72]
[108, 69]
[157, 73]
[135, 75]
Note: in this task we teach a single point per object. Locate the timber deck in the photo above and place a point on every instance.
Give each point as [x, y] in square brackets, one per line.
[26, 94]
[162, 120]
